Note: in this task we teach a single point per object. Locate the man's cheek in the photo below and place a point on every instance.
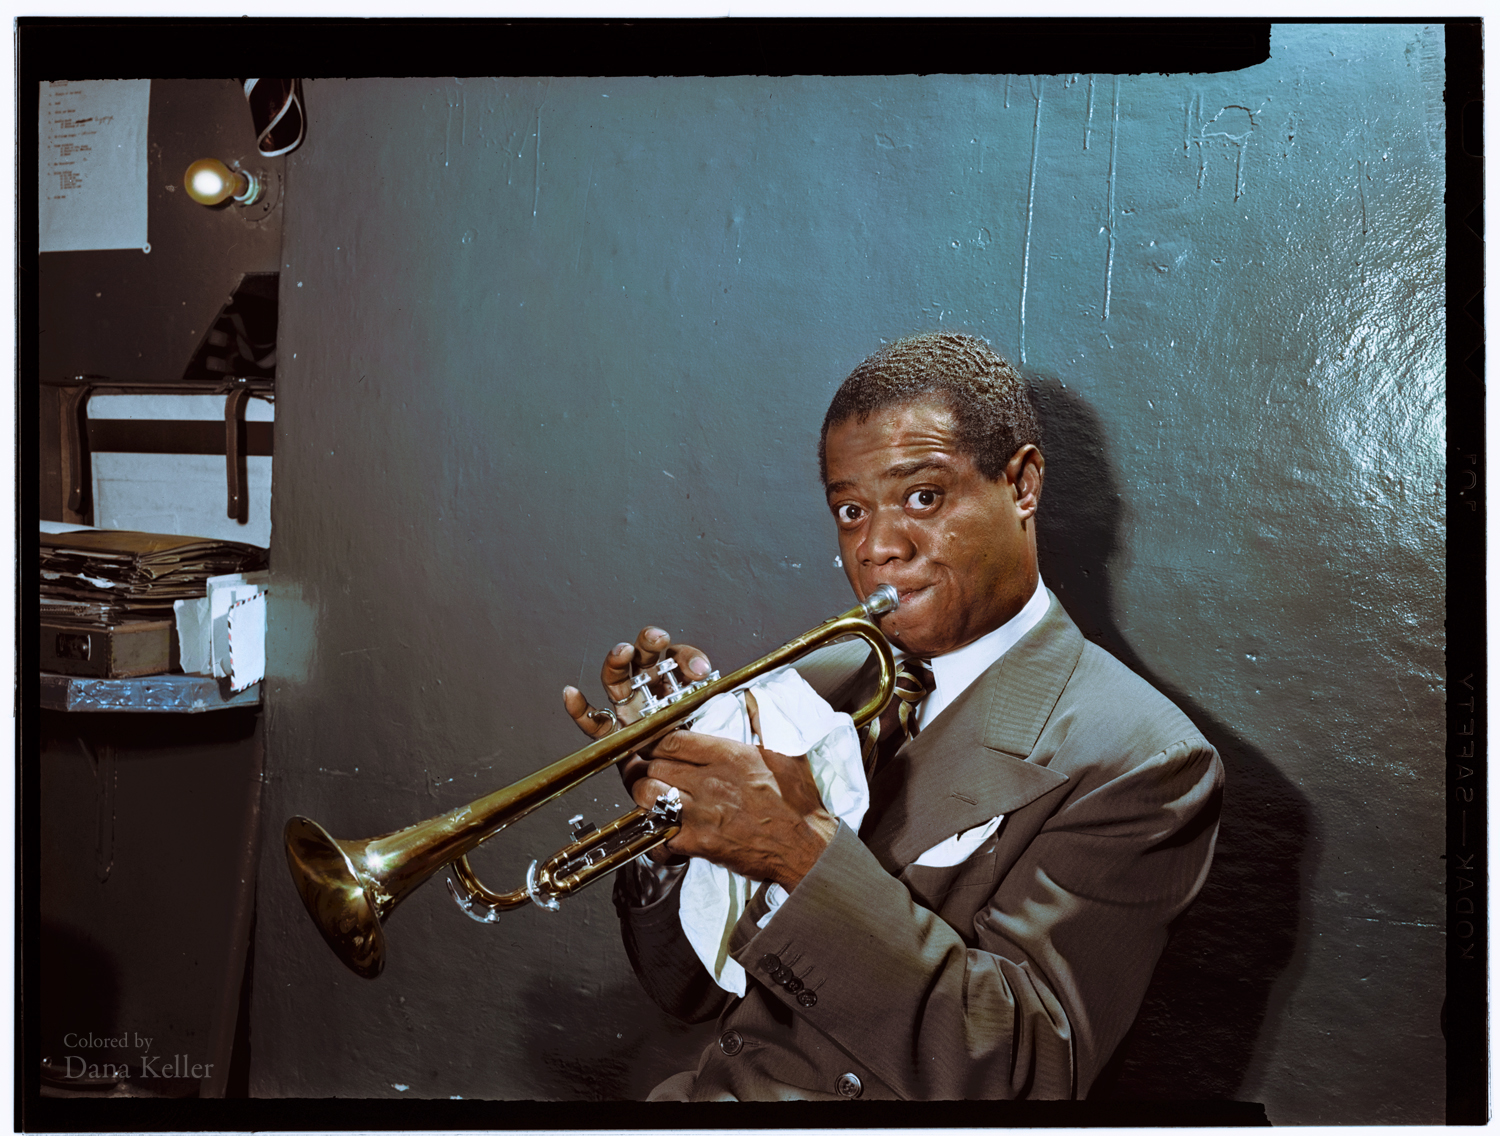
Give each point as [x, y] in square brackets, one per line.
[851, 572]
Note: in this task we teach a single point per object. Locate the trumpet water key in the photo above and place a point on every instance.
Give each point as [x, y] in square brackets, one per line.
[350, 887]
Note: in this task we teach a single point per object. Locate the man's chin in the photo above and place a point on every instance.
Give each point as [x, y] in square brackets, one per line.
[920, 648]
[914, 640]
[907, 625]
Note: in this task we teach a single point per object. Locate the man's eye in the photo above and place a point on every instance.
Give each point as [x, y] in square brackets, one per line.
[848, 514]
[922, 499]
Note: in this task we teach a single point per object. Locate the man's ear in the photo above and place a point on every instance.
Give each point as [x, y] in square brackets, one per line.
[1024, 472]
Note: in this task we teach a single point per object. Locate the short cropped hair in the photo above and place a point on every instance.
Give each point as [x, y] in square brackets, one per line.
[987, 396]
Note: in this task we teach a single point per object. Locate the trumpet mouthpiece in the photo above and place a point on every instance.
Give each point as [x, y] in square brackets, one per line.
[881, 600]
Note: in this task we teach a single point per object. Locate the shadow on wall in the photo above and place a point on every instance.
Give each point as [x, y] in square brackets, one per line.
[1195, 1036]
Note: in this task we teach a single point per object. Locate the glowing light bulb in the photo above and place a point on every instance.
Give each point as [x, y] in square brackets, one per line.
[209, 181]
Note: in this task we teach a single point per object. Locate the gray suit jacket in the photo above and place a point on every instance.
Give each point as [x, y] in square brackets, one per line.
[1011, 975]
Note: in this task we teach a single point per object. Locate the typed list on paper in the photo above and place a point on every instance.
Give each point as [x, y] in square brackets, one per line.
[93, 164]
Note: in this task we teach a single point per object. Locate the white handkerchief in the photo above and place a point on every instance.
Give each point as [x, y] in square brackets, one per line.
[957, 849]
[793, 720]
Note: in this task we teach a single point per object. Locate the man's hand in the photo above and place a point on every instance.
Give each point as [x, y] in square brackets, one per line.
[755, 811]
[622, 664]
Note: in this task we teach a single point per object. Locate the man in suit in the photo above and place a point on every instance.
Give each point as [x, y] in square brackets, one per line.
[1038, 813]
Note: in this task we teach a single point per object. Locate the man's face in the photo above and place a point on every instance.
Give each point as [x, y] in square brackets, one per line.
[914, 512]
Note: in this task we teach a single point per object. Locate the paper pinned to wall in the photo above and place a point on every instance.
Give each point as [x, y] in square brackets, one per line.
[93, 164]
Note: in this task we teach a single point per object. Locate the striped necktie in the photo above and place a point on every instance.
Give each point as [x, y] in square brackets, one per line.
[897, 723]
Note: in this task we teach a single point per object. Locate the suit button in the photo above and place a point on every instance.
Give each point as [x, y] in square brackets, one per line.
[770, 962]
[731, 1042]
[793, 984]
[780, 974]
[808, 998]
[849, 1087]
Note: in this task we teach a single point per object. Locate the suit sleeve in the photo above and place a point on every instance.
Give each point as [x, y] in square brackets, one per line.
[1057, 963]
[663, 959]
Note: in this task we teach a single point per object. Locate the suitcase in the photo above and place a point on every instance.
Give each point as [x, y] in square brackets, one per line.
[139, 647]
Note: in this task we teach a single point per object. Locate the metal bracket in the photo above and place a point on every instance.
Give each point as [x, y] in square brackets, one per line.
[479, 912]
[72, 407]
[545, 902]
[234, 455]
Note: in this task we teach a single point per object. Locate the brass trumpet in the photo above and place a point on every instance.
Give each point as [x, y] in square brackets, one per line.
[350, 887]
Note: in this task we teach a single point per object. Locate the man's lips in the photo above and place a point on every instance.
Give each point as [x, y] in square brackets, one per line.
[904, 593]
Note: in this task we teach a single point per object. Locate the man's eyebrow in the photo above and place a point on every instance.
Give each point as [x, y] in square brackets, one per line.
[921, 465]
[896, 473]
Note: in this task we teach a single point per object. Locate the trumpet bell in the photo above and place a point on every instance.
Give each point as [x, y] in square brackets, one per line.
[335, 896]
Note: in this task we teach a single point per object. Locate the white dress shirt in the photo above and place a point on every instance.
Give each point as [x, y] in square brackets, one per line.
[954, 672]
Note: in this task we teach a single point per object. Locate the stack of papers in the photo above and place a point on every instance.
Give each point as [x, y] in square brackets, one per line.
[102, 577]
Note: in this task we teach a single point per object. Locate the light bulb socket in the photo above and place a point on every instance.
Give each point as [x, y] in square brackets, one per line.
[251, 191]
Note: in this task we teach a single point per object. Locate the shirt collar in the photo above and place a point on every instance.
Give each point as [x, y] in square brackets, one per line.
[954, 672]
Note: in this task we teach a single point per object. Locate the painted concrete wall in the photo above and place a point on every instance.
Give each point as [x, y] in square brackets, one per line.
[555, 354]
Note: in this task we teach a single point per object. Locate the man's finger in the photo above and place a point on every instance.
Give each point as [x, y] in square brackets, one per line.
[649, 645]
[632, 769]
[619, 665]
[649, 788]
[646, 792]
[625, 660]
[794, 778]
[692, 663]
[595, 723]
[687, 747]
[659, 772]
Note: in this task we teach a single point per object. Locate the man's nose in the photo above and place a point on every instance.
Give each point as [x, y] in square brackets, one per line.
[887, 538]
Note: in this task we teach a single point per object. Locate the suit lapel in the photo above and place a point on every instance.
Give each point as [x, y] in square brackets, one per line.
[970, 763]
